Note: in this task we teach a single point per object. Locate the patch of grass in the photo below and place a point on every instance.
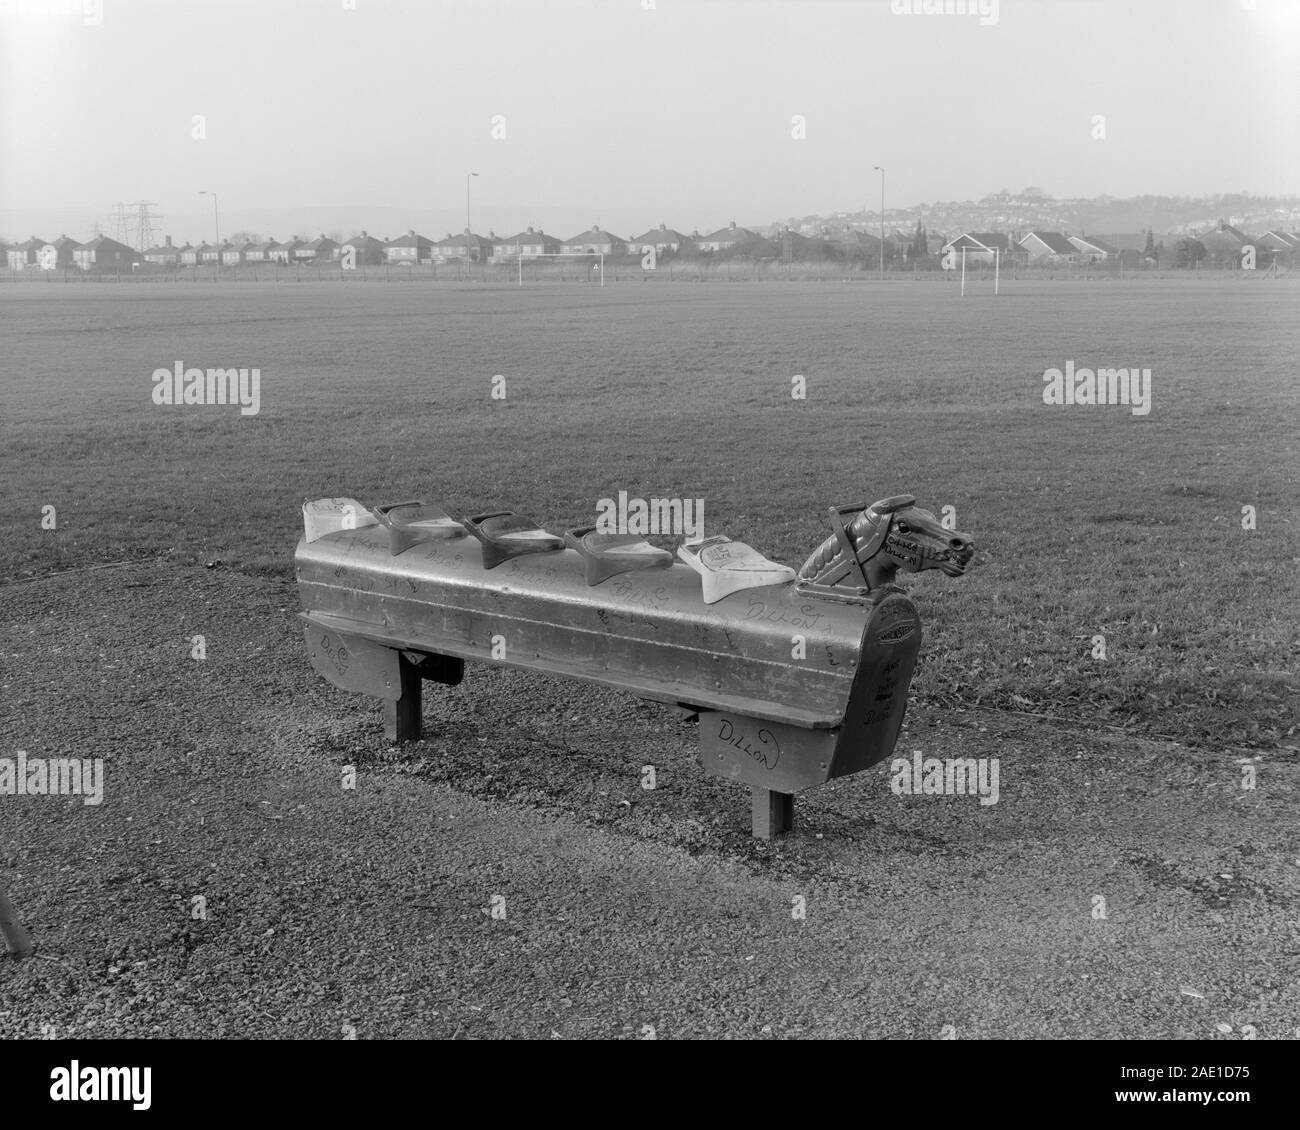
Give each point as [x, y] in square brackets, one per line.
[1090, 521]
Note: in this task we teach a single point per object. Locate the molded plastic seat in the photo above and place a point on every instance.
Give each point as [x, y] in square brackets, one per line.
[329, 515]
[505, 534]
[409, 523]
[607, 555]
[727, 566]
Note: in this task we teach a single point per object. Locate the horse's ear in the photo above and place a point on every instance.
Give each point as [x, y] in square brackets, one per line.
[896, 502]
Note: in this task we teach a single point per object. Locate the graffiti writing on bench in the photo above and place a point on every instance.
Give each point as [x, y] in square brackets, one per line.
[366, 544]
[766, 753]
[758, 610]
[883, 704]
[627, 591]
[338, 653]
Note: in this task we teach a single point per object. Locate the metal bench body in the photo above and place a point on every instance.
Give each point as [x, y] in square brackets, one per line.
[791, 688]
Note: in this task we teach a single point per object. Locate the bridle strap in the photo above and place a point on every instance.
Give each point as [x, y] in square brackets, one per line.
[854, 558]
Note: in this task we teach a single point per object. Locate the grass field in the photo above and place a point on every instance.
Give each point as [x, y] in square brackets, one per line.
[1089, 520]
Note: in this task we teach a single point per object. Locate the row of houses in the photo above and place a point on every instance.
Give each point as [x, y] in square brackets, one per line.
[101, 253]
[1224, 244]
[105, 253]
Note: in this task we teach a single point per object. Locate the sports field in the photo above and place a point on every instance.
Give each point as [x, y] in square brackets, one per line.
[1090, 520]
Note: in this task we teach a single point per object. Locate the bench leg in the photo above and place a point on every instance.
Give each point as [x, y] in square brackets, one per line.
[773, 813]
[403, 718]
[15, 937]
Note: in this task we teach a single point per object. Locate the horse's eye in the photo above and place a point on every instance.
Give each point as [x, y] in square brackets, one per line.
[904, 528]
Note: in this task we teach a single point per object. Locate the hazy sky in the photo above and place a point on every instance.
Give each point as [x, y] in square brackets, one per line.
[626, 116]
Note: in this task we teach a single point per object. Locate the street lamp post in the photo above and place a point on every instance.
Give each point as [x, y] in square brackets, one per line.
[216, 219]
[881, 168]
[468, 225]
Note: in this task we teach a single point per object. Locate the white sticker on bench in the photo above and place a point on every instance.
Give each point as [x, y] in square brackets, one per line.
[727, 566]
[329, 515]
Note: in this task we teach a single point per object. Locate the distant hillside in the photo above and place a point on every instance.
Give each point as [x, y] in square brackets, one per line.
[1034, 209]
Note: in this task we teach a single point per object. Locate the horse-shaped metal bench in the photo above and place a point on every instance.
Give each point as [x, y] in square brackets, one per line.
[795, 677]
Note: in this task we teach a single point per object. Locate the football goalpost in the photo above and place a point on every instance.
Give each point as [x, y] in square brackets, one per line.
[997, 259]
[600, 255]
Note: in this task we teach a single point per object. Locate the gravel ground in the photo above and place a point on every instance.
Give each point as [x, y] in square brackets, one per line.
[333, 912]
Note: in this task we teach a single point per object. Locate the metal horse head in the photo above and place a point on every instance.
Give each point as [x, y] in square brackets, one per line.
[886, 536]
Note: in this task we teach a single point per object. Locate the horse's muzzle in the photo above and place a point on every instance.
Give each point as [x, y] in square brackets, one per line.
[958, 556]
